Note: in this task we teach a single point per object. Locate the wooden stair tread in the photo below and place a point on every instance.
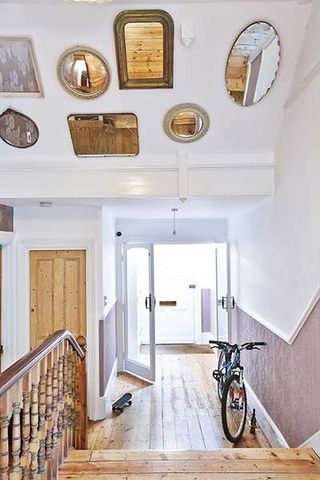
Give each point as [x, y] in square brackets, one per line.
[222, 464]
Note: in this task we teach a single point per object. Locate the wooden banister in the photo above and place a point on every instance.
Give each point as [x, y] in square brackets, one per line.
[43, 409]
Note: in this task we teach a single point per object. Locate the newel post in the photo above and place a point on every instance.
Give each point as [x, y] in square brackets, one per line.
[83, 396]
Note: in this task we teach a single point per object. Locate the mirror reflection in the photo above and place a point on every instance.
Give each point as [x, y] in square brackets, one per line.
[96, 135]
[144, 50]
[84, 72]
[253, 64]
[17, 129]
[186, 124]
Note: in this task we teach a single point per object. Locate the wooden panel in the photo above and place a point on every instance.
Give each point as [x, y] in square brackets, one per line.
[58, 293]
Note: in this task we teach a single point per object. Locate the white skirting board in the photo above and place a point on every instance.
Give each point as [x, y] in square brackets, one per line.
[104, 404]
[269, 428]
[313, 442]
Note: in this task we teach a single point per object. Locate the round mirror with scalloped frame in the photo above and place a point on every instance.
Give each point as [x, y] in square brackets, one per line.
[253, 64]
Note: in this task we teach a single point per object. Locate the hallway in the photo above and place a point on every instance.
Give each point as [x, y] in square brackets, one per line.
[180, 411]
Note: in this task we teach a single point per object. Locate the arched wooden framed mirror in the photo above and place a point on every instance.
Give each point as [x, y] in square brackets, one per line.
[144, 48]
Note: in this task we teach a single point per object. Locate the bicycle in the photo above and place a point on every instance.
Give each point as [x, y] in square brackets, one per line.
[231, 387]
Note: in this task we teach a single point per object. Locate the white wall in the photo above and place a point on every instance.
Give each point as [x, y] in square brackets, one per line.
[158, 230]
[268, 68]
[276, 255]
[108, 258]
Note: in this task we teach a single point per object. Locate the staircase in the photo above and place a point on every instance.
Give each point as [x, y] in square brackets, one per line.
[227, 464]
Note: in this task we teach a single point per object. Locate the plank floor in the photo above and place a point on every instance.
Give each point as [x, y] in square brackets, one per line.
[221, 464]
[180, 411]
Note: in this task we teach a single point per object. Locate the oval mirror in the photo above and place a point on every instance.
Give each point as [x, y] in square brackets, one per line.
[253, 64]
[84, 72]
[186, 123]
[17, 129]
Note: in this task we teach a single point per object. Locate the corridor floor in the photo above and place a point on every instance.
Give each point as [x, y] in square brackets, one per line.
[180, 410]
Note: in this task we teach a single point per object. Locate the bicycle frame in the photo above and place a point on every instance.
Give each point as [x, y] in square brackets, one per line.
[232, 364]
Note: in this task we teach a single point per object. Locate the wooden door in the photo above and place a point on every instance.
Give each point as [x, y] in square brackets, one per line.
[57, 293]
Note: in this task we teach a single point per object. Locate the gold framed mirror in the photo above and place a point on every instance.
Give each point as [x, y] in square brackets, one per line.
[253, 64]
[144, 48]
[83, 72]
[104, 134]
[186, 123]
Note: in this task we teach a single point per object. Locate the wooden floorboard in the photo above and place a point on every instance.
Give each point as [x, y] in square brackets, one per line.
[220, 464]
[180, 410]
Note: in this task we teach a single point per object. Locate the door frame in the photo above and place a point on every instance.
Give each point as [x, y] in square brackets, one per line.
[140, 371]
[120, 287]
[8, 312]
[93, 298]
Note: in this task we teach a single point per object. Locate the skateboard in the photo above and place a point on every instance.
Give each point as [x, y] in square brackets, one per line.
[122, 402]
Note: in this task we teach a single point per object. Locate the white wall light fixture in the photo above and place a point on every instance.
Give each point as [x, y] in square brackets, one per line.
[187, 33]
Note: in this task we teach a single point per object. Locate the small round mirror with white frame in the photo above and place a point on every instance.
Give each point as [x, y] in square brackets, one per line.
[253, 63]
[186, 123]
[83, 72]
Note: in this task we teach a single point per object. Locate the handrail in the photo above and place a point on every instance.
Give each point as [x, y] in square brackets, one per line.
[15, 372]
[43, 408]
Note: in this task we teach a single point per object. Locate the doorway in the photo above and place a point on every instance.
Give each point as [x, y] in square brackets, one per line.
[174, 294]
[57, 293]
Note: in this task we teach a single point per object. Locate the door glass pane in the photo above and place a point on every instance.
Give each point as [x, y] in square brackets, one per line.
[138, 306]
[222, 292]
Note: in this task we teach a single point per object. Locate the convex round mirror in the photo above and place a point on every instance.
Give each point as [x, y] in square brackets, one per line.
[186, 123]
[17, 129]
[253, 64]
[84, 72]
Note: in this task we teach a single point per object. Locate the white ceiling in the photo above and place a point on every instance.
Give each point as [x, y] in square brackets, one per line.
[201, 208]
[198, 77]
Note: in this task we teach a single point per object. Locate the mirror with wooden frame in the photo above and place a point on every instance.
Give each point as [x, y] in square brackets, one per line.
[144, 48]
[186, 123]
[104, 134]
[253, 64]
[17, 129]
[83, 72]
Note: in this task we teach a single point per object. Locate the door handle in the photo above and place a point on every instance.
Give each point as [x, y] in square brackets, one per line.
[147, 303]
[224, 303]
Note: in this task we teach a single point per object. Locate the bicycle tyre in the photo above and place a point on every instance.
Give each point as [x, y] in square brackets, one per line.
[233, 437]
[220, 383]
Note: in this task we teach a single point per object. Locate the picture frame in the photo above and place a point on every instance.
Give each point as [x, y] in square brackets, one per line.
[19, 73]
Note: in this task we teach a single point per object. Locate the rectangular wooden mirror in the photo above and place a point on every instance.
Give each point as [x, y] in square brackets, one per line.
[104, 134]
[144, 46]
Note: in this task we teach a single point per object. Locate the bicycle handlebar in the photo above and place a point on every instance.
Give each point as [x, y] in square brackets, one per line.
[248, 345]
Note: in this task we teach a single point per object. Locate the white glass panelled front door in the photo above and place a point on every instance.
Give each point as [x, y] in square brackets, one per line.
[139, 311]
[222, 289]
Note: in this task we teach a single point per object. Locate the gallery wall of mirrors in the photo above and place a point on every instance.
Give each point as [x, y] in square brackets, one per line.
[144, 43]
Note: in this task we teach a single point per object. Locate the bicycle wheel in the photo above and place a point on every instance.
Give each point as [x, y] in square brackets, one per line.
[234, 408]
[220, 383]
